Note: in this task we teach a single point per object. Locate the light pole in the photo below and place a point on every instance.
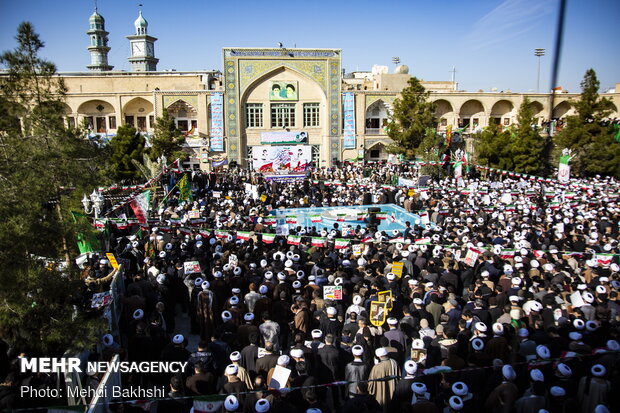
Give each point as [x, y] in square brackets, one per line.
[538, 53]
[97, 200]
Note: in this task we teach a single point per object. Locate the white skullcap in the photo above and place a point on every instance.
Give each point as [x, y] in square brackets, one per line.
[392, 321]
[417, 344]
[418, 388]
[357, 350]
[579, 324]
[613, 345]
[508, 372]
[557, 391]
[268, 275]
[205, 285]
[284, 360]
[108, 340]
[316, 333]
[477, 344]
[234, 300]
[297, 284]
[598, 370]
[178, 339]
[480, 326]
[523, 332]
[198, 282]
[543, 352]
[235, 356]
[564, 370]
[601, 289]
[381, 352]
[332, 311]
[262, 406]
[248, 316]
[516, 281]
[417, 300]
[226, 316]
[411, 367]
[263, 289]
[498, 328]
[459, 388]
[297, 353]
[456, 403]
[588, 297]
[537, 375]
[357, 300]
[601, 408]
[231, 369]
[138, 314]
[575, 336]
[231, 403]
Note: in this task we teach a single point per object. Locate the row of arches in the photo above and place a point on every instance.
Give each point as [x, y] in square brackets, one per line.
[471, 112]
[104, 118]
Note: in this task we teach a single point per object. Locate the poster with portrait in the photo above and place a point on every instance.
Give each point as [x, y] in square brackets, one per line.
[281, 160]
[378, 313]
[386, 297]
[286, 90]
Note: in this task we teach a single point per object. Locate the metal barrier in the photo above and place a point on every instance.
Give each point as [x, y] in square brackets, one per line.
[103, 397]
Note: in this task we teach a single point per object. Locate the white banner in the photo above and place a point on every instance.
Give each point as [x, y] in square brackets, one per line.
[281, 160]
[283, 137]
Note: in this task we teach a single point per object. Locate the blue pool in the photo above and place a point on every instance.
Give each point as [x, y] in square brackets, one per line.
[348, 215]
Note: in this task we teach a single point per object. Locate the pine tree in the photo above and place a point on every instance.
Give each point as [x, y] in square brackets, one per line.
[493, 146]
[411, 119]
[586, 134]
[44, 169]
[529, 149]
[126, 146]
[167, 139]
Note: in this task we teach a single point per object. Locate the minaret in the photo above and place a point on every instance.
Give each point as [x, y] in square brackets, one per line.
[98, 43]
[142, 48]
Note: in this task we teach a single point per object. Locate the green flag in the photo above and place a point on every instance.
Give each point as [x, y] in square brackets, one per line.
[186, 190]
[87, 241]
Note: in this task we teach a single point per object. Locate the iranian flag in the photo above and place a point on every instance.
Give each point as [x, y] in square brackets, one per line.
[293, 240]
[269, 238]
[382, 215]
[554, 205]
[507, 254]
[291, 220]
[398, 239]
[360, 216]
[510, 208]
[570, 195]
[140, 206]
[538, 253]
[422, 241]
[318, 242]
[367, 238]
[185, 231]
[424, 217]
[221, 234]
[564, 168]
[550, 194]
[315, 218]
[604, 260]
[243, 235]
[443, 212]
[341, 217]
[465, 191]
[341, 243]
[270, 220]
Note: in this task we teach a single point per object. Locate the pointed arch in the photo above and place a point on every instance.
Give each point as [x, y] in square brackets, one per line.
[376, 117]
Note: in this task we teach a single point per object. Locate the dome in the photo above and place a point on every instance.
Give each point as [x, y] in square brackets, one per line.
[402, 70]
[96, 18]
[140, 21]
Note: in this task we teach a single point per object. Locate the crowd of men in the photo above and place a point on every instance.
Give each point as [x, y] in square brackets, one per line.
[506, 301]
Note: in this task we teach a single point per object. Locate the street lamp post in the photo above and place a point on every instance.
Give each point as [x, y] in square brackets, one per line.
[97, 202]
[538, 53]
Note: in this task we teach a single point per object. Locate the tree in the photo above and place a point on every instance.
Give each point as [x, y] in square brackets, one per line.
[411, 119]
[167, 140]
[586, 134]
[529, 150]
[44, 169]
[492, 147]
[128, 144]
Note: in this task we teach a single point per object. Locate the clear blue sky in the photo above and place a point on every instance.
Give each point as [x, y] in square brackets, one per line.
[491, 42]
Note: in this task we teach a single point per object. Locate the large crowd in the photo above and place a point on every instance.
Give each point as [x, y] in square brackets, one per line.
[506, 301]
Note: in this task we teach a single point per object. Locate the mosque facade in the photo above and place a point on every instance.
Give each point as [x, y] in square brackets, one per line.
[273, 96]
